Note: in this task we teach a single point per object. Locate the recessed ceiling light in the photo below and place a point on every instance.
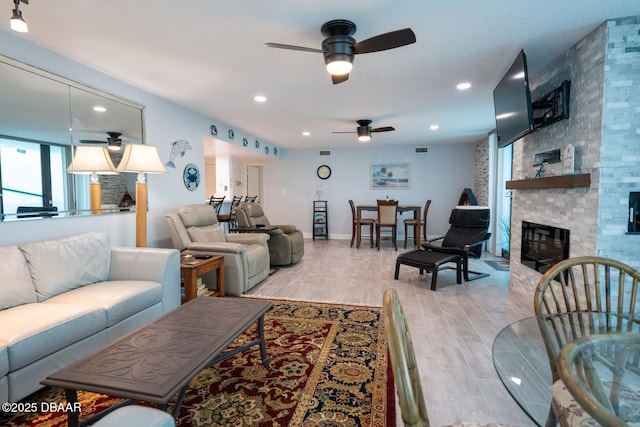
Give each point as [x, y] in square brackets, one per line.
[306, 133]
[434, 127]
[260, 98]
[99, 109]
[463, 86]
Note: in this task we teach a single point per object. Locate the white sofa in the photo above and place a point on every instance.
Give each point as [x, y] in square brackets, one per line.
[65, 298]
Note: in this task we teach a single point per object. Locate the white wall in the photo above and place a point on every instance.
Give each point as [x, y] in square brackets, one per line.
[290, 184]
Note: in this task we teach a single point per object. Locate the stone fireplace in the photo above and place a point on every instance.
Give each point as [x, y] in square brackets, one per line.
[603, 130]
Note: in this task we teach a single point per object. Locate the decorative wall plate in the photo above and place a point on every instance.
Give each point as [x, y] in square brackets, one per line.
[257, 144]
[275, 151]
[191, 177]
[213, 129]
[245, 142]
[266, 150]
[232, 134]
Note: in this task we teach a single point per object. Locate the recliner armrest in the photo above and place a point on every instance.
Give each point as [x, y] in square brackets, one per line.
[286, 228]
[247, 238]
[219, 247]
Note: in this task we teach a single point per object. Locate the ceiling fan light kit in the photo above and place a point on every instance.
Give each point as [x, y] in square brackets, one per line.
[339, 47]
[18, 23]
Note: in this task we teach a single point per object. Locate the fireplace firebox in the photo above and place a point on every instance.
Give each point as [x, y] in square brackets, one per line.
[543, 246]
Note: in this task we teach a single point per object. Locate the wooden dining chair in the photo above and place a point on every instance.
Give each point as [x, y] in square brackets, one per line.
[406, 376]
[357, 224]
[413, 223]
[387, 218]
[586, 284]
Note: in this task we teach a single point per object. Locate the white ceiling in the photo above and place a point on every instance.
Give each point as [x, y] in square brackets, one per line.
[209, 56]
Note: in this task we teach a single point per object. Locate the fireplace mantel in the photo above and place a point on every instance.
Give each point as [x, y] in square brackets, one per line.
[561, 181]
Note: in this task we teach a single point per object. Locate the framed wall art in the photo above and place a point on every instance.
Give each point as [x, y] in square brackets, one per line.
[389, 175]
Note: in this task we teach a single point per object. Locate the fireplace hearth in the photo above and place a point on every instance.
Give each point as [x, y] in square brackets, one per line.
[543, 245]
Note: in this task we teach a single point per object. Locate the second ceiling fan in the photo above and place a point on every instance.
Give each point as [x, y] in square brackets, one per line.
[364, 130]
[339, 47]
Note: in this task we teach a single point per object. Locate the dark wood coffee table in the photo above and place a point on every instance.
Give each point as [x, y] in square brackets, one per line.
[156, 362]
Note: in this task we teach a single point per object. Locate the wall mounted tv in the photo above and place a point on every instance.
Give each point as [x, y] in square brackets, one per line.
[516, 115]
[512, 103]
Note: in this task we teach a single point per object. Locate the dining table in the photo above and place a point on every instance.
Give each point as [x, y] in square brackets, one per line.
[520, 354]
[417, 215]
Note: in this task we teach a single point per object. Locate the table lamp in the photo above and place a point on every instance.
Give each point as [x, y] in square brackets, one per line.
[94, 161]
[141, 159]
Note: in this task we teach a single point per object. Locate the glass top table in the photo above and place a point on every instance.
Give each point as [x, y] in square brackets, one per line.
[520, 356]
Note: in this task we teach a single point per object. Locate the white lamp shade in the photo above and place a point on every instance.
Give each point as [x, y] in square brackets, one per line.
[141, 158]
[87, 160]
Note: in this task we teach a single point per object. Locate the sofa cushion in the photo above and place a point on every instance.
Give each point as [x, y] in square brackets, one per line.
[16, 286]
[59, 265]
[32, 331]
[118, 298]
[4, 360]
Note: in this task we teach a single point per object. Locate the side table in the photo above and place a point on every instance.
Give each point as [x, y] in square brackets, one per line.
[191, 268]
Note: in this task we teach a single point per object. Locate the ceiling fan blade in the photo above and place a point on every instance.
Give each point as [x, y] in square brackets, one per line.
[292, 47]
[339, 79]
[92, 141]
[383, 129]
[343, 132]
[385, 41]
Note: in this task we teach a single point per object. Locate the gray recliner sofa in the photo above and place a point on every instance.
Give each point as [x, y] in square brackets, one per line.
[286, 243]
[246, 256]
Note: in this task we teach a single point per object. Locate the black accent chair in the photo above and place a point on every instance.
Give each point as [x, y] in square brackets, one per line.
[467, 234]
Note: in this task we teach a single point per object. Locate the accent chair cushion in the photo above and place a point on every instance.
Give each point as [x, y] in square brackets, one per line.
[60, 265]
[16, 287]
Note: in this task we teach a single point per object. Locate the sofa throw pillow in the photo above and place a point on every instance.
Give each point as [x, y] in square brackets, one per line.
[60, 265]
[16, 286]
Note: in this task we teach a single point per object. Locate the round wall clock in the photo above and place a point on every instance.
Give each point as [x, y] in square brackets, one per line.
[324, 172]
[191, 177]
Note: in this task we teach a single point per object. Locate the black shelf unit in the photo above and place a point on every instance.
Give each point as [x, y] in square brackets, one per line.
[320, 219]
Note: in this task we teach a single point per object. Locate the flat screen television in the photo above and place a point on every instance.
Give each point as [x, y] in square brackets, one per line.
[512, 103]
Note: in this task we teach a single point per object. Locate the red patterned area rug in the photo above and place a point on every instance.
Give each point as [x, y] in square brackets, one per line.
[328, 367]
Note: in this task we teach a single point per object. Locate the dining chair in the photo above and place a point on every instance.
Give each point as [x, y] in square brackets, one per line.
[413, 223]
[387, 218]
[586, 284]
[357, 224]
[406, 376]
[216, 202]
[601, 373]
[250, 199]
[230, 219]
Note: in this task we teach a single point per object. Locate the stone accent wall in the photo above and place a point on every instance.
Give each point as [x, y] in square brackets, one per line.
[573, 209]
[620, 158]
[604, 127]
[481, 189]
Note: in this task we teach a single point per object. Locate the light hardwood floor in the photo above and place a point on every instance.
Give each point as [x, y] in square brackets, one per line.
[452, 329]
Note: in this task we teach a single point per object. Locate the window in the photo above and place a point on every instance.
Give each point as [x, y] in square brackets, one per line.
[33, 174]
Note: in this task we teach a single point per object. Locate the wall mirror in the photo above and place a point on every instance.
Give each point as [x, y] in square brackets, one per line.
[43, 118]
